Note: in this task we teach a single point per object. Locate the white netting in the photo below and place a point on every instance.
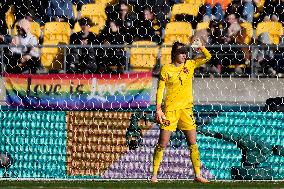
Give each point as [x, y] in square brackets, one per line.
[90, 64]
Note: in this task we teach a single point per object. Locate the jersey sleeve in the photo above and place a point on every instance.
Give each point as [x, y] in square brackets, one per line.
[203, 60]
[161, 85]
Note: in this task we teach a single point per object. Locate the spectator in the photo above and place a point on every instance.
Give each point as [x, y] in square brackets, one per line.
[214, 9]
[32, 10]
[235, 34]
[248, 10]
[209, 37]
[24, 58]
[116, 59]
[264, 56]
[61, 11]
[235, 7]
[4, 7]
[125, 22]
[273, 7]
[149, 27]
[244, 9]
[82, 60]
[161, 9]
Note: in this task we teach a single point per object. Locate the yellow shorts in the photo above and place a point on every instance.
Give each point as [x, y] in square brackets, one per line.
[181, 119]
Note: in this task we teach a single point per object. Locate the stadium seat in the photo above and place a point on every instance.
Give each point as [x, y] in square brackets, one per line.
[105, 2]
[195, 2]
[249, 31]
[178, 31]
[202, 25]
[52, 58]
[10, 19]
[35, 29]
[275, 30]
[165, 55]
[56, 32]
[187, 9]
[143, 55]
[96, 12]
[77, 27]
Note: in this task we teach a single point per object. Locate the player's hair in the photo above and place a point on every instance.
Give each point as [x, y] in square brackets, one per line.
[175, 46]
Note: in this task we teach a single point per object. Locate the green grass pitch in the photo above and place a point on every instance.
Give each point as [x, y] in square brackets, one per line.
[136, 185]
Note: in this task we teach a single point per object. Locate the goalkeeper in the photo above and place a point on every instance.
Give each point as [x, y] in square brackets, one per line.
[177, 79]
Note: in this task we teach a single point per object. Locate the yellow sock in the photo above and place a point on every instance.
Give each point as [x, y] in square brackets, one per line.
[195, 159]
[157, 158]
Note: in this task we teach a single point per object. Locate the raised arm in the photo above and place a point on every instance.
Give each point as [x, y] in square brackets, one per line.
[202, 60]
[197, 44]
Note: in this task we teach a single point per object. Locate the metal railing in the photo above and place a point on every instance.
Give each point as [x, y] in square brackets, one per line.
[219, 53]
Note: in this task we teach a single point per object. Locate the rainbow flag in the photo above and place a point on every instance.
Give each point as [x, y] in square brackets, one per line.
[78, 92]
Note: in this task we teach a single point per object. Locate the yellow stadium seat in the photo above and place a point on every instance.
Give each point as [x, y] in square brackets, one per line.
[10, 19]
[202, 25]
[260, 4]
[143, 55]
[196, 2]
[35, 29]
[52, 57]
[77, 27]
[249, 31]
[165, 57]
[105, 2]
[178, 31]
[275, 30]
[96, 12]
[188, 9]
[56, 32]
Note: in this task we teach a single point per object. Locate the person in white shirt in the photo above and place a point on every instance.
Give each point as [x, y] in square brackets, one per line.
[24, 56]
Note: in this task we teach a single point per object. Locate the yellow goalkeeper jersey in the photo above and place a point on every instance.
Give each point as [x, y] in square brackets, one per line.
[178, 82]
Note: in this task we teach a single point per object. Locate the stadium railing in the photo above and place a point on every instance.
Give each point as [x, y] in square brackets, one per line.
[232, 53]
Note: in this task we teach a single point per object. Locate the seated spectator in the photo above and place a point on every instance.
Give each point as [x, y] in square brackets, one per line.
[214, 9]
[264, 56]
[115, 59]
[149, 27]
[32, 10]
[82, 60]
[244, 9]
[125, 21]
[61, 11]
[235, 34]
[208, 37]
[248, 10]
[273, 7]
[24, 58]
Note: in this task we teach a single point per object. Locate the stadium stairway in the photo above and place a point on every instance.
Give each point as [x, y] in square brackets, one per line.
[37, 141]
[219, 156]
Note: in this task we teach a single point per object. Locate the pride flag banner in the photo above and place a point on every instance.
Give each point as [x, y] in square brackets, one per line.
[78, 92]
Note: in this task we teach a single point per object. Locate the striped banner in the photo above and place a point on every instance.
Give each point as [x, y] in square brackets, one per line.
[78, 92]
